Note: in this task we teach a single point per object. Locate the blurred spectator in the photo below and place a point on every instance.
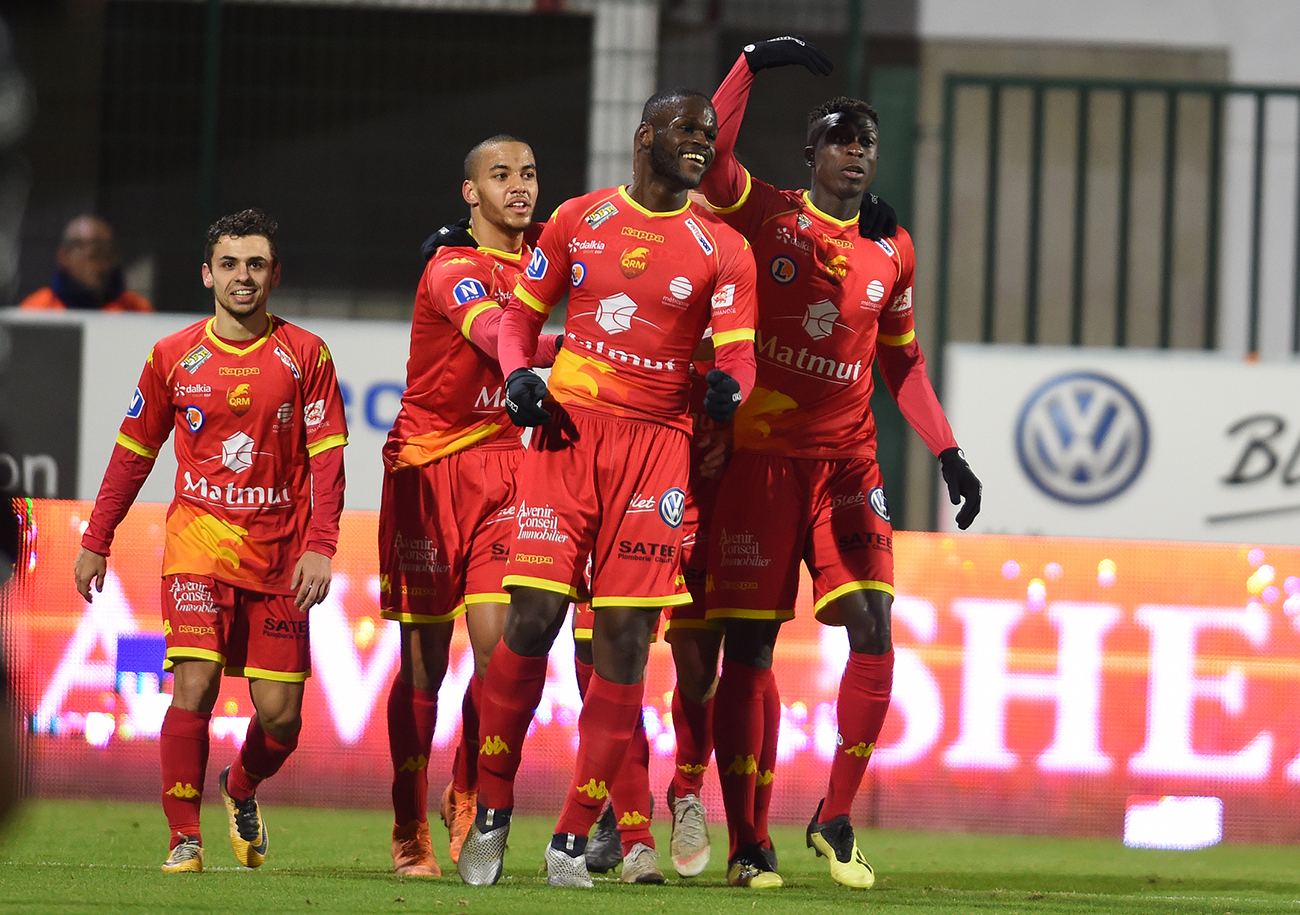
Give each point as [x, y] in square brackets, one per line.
[88, 276]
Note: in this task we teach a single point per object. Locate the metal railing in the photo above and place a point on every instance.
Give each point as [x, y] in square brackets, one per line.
[1113, 213]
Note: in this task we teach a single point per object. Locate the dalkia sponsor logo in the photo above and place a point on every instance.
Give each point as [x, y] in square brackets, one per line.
[231, 494]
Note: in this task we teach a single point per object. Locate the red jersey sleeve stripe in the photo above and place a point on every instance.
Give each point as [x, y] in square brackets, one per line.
[733, 336]
[131, 444]
[749, 184]
[325, 444]
[531, 300]
[901, 340]
[474, 313]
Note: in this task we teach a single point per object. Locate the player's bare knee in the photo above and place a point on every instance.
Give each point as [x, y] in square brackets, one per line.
[534, 621]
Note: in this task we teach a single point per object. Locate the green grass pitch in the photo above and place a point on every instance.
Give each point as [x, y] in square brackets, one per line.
[104, 857]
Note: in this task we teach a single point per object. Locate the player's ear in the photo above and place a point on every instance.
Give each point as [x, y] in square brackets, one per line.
[645, 136]
[469, 192]
[810, 156]
[207, 276]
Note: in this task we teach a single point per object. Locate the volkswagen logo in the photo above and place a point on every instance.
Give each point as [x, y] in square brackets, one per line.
[1082, 438]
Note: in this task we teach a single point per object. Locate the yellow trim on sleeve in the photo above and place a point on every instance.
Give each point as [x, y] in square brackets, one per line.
[902, 340]
[749, 183]
[325, 444]
[531, 300]
[733, 336]
[131, 444]
[474, 313]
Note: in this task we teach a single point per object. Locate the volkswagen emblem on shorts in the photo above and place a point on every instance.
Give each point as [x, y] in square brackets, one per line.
[1082, 438]
[876, 498]
[672, 506]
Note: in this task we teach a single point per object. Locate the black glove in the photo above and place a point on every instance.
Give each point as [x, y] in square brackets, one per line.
[962, 484]
[525, 392]
[723, 395]
[788, 49]
[876, 219]
[453, 235]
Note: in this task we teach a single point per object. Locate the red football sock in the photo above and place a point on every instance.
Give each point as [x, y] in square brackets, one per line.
[693, 727]
[183, 747]
[583, 671]
[738, 742]
[464, 769]
[861, 709]
[630, 793]
[412, 716]
[258, 759]
[763, 780]
[608, 721]
[510, 694]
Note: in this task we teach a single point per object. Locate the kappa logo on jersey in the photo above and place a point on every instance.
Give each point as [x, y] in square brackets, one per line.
[237, 452]
[601, 214]
[577, 273]
[633, 261]
[239, 399]
[469, 290]
[615, 314]
[819, 319]
[314, 413]
[783, 270]
[642, 234]
[886, 246]
[194, 418]
[324, 355]
[672, 507]
[288, 362]
[705, 245]
[136, 407]
[537, 266]
[195, 359]
[876, 499]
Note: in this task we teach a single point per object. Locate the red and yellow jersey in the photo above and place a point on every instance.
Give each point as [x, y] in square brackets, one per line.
[642, 288]
[826, 298]
[246, 419]
[455, 393]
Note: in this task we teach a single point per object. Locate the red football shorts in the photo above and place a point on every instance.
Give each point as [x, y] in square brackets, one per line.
[774, 511]
[251, 634]
[701, 496]
[444, 534]
[608, 487]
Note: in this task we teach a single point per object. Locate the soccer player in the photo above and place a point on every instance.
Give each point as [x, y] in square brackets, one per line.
[446, 510]
[250, 533]
[646, 271]
[830, 302]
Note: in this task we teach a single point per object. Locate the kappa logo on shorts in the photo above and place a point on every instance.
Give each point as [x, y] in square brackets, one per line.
[672, 507]
[878, 504]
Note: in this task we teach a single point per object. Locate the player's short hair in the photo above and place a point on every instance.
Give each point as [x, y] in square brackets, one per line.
[667, 98]
[239, 225]
[837, 105]
[471, 157]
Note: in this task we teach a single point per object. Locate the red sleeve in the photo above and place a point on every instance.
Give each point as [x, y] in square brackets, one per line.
[484, 329]
[734, 311]
[903, 369]
[737, 360]
[517, 336]
[326, 500]
[725, 182]
[126, 473]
